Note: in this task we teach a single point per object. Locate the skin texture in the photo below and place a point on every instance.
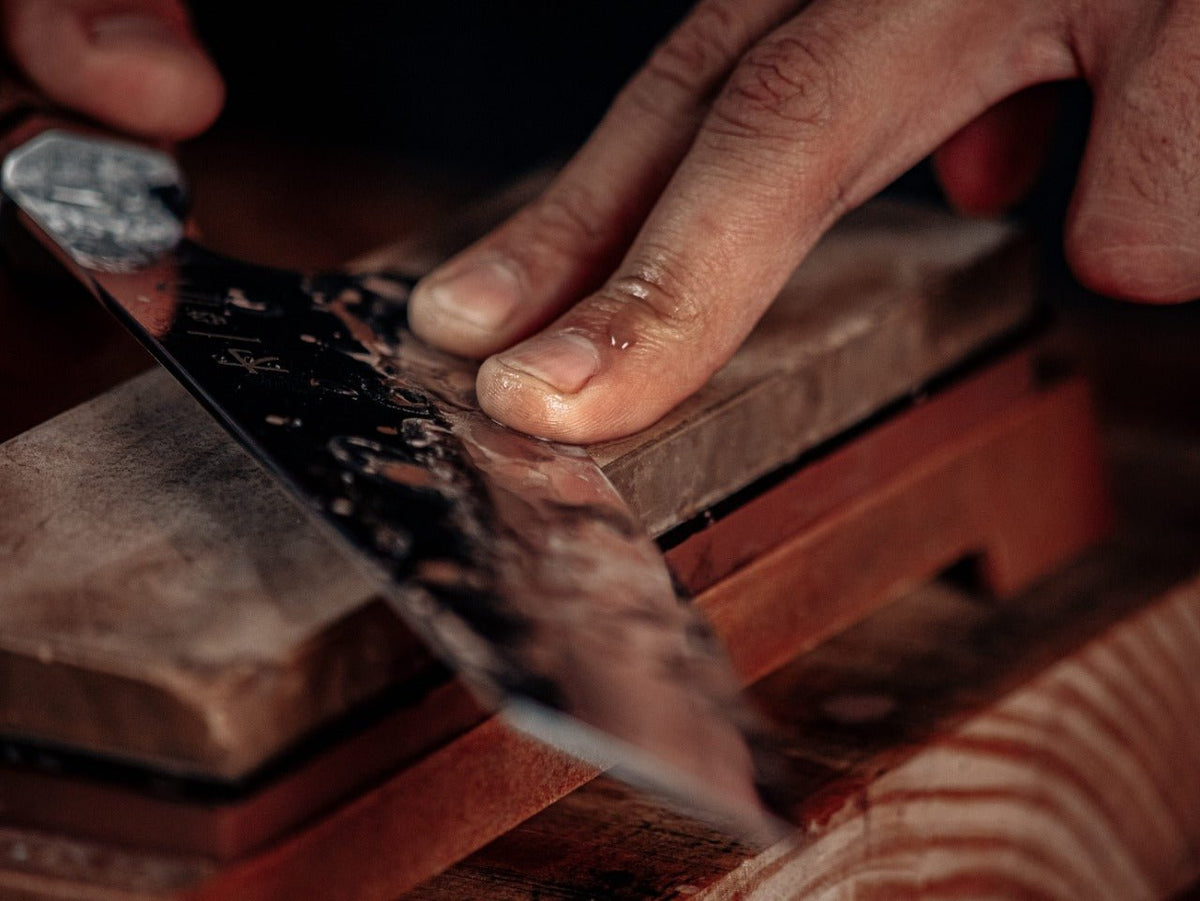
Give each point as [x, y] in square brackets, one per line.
[754, 126]
[748, 132]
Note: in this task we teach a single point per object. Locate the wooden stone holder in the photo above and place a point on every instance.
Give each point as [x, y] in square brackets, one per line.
[997, 470]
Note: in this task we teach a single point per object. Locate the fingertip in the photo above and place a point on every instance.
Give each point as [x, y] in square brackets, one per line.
[539, 387]
[171, 94]
[469, 306]
[523, 402]
[992, 162]
[569, 395]
[1126, 251]
[969, 187]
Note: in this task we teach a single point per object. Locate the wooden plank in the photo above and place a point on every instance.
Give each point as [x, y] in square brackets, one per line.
[211, 626]
[600, 841]
[220, 825]
[1022, 493]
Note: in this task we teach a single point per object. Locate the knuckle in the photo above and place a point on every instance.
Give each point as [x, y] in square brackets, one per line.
[567, 221]
[782, 85]
[685, 67]
[699, 49]
[1045, 55]
[653, 297]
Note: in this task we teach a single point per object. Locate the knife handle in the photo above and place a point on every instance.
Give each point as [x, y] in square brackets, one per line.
[25, 113]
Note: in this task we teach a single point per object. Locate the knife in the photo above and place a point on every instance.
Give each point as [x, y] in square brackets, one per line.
[514, 558]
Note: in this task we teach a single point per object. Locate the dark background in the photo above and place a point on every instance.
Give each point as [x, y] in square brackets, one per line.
[494, 88]
[486, 85]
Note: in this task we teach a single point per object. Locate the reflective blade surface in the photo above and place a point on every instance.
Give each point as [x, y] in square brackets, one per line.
[513, 557]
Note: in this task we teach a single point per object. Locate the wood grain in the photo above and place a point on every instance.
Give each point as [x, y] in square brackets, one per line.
[958, 749]
[1081, 785]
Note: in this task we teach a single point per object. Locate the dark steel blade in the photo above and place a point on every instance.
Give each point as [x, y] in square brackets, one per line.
[515, 558]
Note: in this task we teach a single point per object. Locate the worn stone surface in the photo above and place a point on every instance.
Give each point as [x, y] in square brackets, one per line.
[161, 599]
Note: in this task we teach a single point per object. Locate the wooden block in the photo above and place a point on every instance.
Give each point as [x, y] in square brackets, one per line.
[384, 842]
[224, 822]
[432, 710]
[161, 602]
[1023, 492]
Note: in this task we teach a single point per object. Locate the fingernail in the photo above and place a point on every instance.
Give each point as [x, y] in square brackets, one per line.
[137, 30]
[565, 361]
[483, 295]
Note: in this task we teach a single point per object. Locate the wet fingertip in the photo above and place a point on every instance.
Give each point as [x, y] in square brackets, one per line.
[527, 404]
[563, 362]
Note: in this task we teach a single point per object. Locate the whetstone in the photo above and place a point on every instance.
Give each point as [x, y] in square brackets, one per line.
[163, 603]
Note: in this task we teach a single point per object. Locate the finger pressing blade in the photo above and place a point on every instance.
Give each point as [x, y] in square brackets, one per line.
[514, 558]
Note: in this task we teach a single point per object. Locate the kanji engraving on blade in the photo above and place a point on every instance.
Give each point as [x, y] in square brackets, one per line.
[247, 361]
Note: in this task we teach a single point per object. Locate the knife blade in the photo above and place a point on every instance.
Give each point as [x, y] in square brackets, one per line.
[514, 558]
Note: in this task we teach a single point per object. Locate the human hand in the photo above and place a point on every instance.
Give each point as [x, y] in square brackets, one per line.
[753, 127]
[135, 65]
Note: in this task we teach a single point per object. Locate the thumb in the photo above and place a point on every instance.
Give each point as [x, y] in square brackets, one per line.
[134, 64]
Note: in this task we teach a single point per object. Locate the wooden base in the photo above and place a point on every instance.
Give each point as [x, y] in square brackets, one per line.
[994, 468]
[993, 472]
